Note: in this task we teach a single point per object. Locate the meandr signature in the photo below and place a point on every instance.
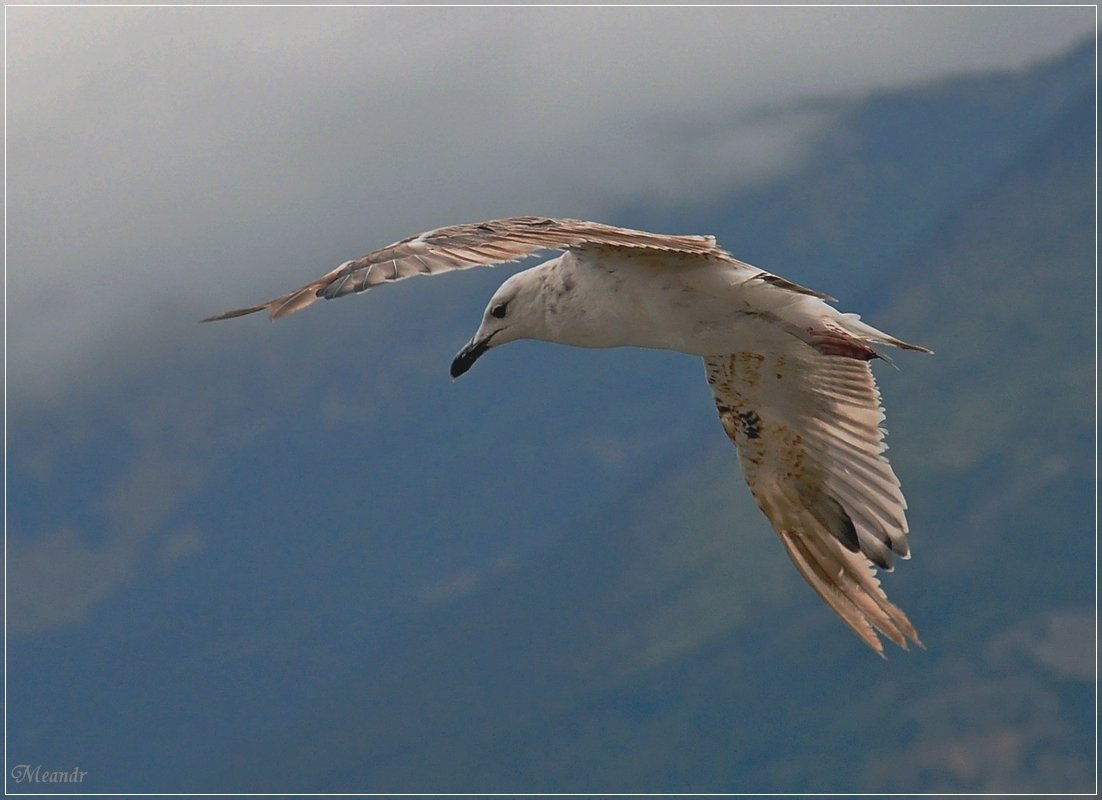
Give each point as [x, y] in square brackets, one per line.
[35, 773]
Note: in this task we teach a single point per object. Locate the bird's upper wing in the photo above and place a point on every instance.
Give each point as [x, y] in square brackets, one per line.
[472, 245]
[807, 428]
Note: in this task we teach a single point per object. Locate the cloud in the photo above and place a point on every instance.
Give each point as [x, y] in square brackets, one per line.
[465, 582]
[181, 546]
[1061, 641]
[56, 578]
[164, 162]
[109, 493]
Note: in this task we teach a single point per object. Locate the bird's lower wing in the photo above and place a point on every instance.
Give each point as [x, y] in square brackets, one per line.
[472, 245]
[807, 428]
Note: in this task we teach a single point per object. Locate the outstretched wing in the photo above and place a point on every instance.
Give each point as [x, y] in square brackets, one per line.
[472, 245]
[807, 428]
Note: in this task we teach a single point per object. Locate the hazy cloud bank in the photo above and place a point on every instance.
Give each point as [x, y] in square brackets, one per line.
[175, 160]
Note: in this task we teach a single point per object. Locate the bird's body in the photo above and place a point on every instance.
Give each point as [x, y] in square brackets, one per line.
[789, 373]
[698, 305]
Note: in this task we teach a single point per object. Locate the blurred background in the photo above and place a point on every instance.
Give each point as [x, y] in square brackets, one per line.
[296, 557]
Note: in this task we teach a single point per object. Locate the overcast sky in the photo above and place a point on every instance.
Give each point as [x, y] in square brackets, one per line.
[166, 163]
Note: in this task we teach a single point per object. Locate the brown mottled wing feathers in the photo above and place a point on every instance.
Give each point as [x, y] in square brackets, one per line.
[807, 429]
[471, 245]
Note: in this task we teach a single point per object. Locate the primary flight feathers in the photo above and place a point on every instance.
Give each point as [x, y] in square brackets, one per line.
[476, 244]
[789, 373]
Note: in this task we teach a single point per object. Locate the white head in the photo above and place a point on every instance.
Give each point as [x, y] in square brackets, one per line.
[519, 309]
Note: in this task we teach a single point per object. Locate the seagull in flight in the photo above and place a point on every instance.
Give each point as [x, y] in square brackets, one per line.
[789, 373]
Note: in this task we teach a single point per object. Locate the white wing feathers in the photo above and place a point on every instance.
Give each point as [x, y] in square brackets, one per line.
[807, 428]
[472, 245]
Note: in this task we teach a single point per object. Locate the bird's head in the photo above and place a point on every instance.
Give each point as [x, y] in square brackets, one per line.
[518, 310]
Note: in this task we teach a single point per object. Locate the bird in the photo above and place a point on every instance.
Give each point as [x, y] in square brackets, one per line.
[790, 374]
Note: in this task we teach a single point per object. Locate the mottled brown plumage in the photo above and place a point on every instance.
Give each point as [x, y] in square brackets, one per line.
[813, 459]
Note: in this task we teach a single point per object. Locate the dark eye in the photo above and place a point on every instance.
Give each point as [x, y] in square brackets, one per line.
[498, 310]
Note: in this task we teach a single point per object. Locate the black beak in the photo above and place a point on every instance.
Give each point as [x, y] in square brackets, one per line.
[466, 357]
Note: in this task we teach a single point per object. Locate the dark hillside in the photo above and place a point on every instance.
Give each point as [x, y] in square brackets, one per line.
[666, 645]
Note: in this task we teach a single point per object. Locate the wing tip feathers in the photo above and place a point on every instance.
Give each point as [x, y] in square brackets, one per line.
[237, 312]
